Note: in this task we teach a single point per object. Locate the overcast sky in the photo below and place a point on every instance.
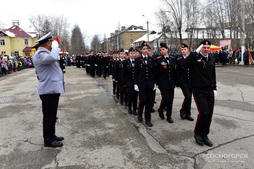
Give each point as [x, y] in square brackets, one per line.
[92, 16]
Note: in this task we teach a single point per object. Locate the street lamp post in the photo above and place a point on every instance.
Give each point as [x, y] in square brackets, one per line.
[147, 28]
[243, 33]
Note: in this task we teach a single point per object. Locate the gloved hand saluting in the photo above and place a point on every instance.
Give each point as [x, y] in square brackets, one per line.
[199, 48]
[55, 43]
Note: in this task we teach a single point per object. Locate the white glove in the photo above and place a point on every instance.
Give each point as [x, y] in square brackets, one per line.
[215, 93]
[114, 80]
[154, 87]
[199, 48]
[95, 64]
[55, 44]
[136, 87]
[110, 75]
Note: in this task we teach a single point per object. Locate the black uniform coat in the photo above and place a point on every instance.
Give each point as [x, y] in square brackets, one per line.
[183, 75]
[128, 73]
[203, 71]
[144, 73]
[118, 73]
[165, 69]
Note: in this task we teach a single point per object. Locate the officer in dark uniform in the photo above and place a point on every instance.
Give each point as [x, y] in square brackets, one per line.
[204, 89]
[144, 82]
[165, 66]
[183, 80]
[128, 81]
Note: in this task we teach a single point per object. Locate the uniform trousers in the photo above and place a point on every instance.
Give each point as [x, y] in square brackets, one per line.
[186, 106]
[114, 87]
[167, 100]
[49, 110]
[132, 98]
[205, 103]
[145, 100]
[104, 71]
[123, 93]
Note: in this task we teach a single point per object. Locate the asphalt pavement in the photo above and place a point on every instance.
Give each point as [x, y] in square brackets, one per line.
[99, 132]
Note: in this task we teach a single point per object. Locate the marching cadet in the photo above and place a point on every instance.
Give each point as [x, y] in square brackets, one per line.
[144, 82]
[119, 78]
[99, 60]
[165, 66]
[104, 64]
[92, 63]
[150, 54]
[112, 71]
[128, 81]
[183, 80]
[50, 86]
[204, 89]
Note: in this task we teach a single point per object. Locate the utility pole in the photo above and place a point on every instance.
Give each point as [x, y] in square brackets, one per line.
[147, 28]
[243, 33]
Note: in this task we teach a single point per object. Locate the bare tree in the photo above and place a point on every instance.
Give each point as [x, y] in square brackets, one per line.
[173, 10]
[57, 25]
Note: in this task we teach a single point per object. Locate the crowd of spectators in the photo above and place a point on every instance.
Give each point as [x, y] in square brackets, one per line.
[233, 56]
[12, 64]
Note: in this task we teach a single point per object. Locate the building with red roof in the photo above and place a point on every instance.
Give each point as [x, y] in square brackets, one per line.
[15, 41]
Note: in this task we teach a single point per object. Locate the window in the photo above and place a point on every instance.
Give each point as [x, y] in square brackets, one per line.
[16, 53]
[3, 52]
[2, 42]
[26, 41]
[141, 34]
[131, 34]
[131, 40]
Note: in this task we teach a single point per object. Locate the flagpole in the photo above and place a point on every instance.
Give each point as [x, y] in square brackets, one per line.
[243, 34]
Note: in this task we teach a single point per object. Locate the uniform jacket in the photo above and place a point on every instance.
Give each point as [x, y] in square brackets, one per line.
[203, 71]
[165, 69]
[183, 75]
[144, 73]
[128, 73]
[119, 71]
[114, 64]
[48, 70]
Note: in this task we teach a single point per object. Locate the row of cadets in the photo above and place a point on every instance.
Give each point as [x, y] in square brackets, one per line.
[128, 81]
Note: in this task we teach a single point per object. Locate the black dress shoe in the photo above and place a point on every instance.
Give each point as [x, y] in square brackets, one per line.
[59, 138]
[188, 117]
[182, 114]
[207, 141]
[121, 102]
[152, 110]
[130, 111]
[140, 118]
[170, 120]
[161, 115]
[149, 124]
[199, 139]
[135, 113]
[54, 144]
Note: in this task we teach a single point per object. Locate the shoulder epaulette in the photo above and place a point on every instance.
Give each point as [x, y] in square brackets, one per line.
[172, 57]
[159, 57]
[179, 58]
